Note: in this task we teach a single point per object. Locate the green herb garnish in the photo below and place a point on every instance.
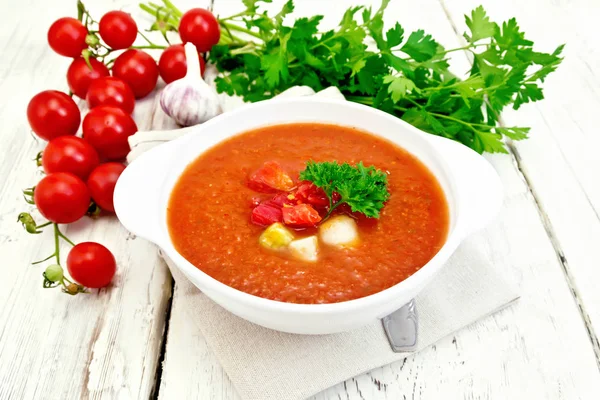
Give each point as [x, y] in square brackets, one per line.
[364, 189]
[405, 74]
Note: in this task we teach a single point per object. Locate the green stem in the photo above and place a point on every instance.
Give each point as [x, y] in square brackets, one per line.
[226, 40]
[146, 39]
[57, 243]
[233, 39]
[81, 10]
[240, 14]
[45, 259]
[467, 47]
[368, 101]
[414, 102]
[65, 238]
[172, 7]
[437, 88]
[234, 27]
[44, 225]
[148, 9]
[160, 11]
[331, 208]
[471, 124]
[322, 43]
[154, 5]
[249, 48]
[361, 99]
[153, 46]
[57, 236]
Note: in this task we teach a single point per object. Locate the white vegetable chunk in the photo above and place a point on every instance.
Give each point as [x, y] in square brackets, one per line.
[276, 237]
[339, 231]
[306, 249]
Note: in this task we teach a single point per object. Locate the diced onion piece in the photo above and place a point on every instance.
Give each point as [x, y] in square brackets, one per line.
[339, 231]
[276, 237]
[306, 249]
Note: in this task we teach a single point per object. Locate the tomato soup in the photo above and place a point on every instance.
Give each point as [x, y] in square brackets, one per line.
[210, 223]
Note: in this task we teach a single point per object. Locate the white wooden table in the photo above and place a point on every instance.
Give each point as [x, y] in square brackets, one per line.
[133, 340]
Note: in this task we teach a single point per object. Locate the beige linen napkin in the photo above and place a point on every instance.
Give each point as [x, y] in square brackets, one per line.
[264, 364]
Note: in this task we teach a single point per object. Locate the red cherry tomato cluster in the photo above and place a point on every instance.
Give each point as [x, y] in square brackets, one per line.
[81, 172]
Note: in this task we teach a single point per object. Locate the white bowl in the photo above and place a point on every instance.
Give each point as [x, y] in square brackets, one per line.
[472, 188]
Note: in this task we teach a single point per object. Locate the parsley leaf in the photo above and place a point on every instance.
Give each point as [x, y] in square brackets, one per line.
[394, 36]
[420, 46]
[399, 86]
[251, 4]
[480, 25]
[288, 8]
[364, 189]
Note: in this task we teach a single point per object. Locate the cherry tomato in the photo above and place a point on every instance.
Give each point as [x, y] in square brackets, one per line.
[80, 76]
[138, 70]
[172, 64]
[52, 113]
[91, 264]
[107, 129]
[300, 216]
[200, 27]
[110, 91]
[70, 154]
[66, 36]
[101, 184]
[118, 29]
[62, 197]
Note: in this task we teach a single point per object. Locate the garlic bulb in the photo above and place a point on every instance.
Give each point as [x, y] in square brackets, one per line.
[189, 100]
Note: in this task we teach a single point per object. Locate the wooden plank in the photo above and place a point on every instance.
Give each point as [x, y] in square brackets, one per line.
[536, 349]
[102, 345]
[559, 161]
[190, 369]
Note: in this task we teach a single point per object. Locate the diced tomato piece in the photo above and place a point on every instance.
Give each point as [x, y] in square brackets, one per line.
[265, 215]
[256, 200]
[270, 178]
[308, 192]
[281, 199]
[301, 216]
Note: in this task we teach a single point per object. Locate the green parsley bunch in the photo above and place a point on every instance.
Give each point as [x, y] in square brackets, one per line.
[405, 74]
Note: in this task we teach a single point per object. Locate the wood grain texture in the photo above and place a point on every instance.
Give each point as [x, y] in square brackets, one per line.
[536, 349]
[559, 161]
[53, 346]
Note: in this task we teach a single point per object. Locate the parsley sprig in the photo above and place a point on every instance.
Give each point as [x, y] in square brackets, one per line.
[405, 74]
[364, 189]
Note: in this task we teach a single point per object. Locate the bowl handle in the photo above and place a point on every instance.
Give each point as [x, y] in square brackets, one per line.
[138, 192]
[480, 193]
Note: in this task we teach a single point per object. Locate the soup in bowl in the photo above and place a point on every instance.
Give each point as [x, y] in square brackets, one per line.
[241, 214]
[308, 216]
